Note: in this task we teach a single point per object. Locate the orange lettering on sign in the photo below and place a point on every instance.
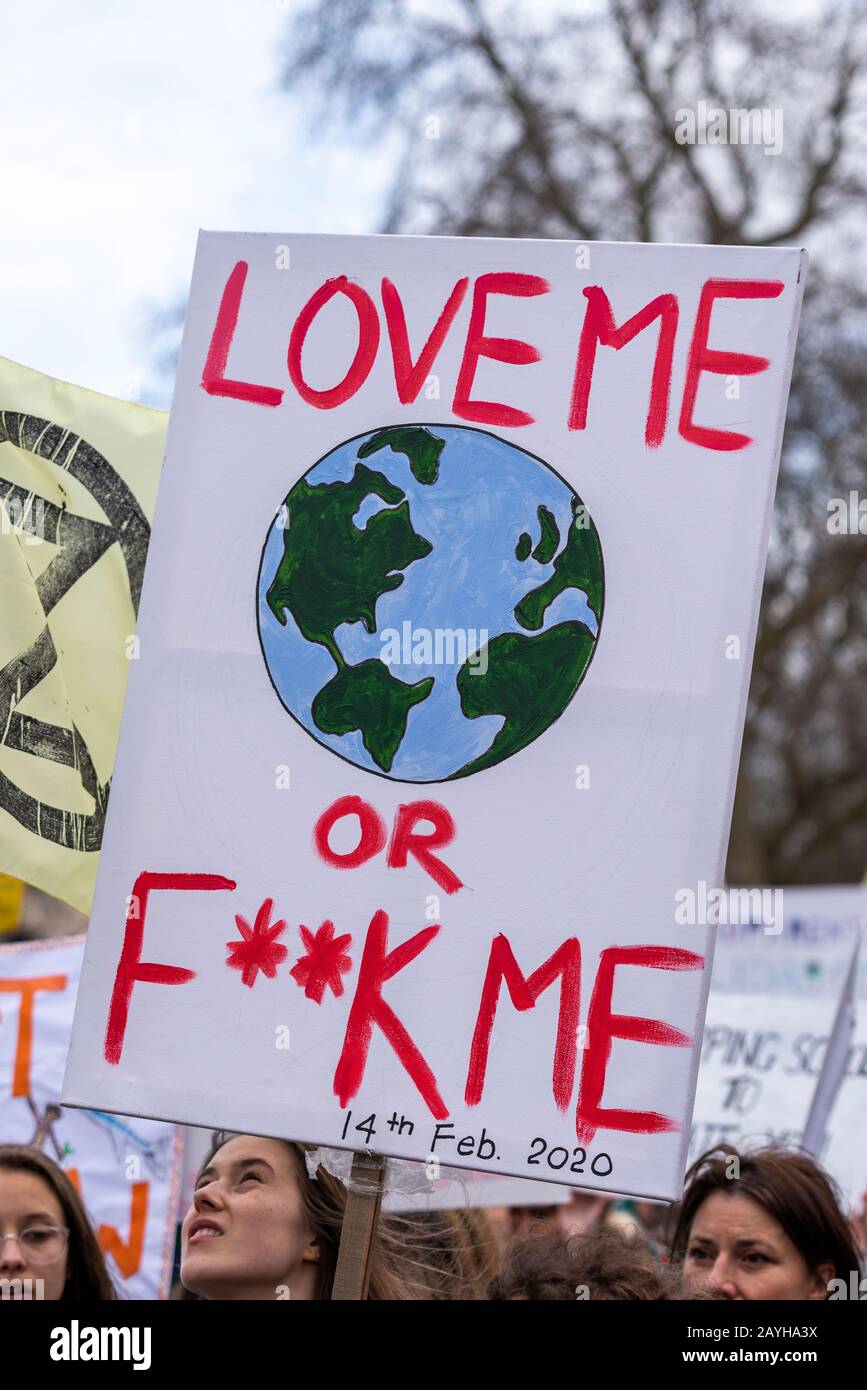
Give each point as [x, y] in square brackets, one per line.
[28, 990]
[127, 1255]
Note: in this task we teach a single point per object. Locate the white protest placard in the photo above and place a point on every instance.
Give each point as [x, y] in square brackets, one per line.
[127, 1170]
[777, 981]
[445, 643]
[760, 1064]
[801, 948]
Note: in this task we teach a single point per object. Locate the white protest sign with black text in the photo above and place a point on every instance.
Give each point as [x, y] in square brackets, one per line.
[770, 1015]
[445, 643]
[760, 1065]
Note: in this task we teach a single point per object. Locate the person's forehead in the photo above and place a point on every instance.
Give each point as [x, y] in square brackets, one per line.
[737, 1216]
[19, 1189]
[249, 1147]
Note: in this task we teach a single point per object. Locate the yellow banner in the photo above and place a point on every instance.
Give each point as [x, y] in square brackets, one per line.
[78, 482]
[11, 902]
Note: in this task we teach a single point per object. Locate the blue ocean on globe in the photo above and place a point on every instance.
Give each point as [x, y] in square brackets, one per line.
[476, 516]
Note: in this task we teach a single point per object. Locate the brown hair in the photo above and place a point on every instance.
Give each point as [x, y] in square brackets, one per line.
[87, 1277]
[403, 1263]
[789, 1185]
[458, 1250]
[608, 1264]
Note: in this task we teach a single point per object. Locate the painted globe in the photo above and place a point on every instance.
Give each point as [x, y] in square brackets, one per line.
[429, 600]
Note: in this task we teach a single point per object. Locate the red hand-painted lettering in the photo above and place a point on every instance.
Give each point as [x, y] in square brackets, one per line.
[705, 359]
[524, 991]
[368, 343]
[214, 378]
[372, 839]
[130, 967]
[409, 379]
[405, 840]
[369, 1008]
[512, 350]
[258, 948]
[603, 1026]
[324, 963]
[599, 327]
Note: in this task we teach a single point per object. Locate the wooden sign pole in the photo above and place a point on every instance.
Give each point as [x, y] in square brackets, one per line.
[360, 1220]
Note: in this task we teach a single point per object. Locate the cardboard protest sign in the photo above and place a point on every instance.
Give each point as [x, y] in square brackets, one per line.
[759, 1068]
[128, 1171]
[445, 646]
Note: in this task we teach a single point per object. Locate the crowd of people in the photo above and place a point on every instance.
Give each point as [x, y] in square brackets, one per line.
[766, 1224]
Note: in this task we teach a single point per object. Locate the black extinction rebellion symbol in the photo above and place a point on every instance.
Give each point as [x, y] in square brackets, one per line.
[80, 544]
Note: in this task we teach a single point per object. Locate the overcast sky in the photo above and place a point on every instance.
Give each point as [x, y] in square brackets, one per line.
[124, 127]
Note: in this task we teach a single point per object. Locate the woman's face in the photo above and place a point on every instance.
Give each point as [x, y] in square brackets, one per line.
[738, 1250]
[28, 1203]
[246, 1235]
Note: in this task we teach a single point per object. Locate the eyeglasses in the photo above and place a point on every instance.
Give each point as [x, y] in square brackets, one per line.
[40, 1245]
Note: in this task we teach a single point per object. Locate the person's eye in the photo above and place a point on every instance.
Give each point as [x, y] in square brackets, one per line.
[755, 1258]
[37, 1236]
[696, 1253]
[257, 1177]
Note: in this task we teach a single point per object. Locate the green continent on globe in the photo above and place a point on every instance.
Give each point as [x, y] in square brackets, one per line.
[332, 572]
[550, 538]
[529, 680]
[368, 697]
[578, 566]
[422, 448]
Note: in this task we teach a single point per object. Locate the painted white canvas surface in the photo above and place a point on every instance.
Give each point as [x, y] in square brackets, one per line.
[443, 657]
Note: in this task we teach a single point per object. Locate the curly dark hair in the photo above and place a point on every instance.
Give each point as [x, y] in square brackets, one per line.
[602, 1264]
